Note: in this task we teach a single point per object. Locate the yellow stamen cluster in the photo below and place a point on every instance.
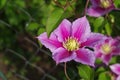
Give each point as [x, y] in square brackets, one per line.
[106, 48]
[71, 44]
[105, 3]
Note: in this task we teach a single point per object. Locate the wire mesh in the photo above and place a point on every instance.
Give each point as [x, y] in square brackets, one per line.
[19, 56]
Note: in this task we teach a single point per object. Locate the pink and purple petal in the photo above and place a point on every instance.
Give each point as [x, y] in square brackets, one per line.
[52, 43]
[96, 11]
[118, 78]
[106, 58]
[81, 28]
[115, 68]
[116, 46]
[116, 49]
[85, 56]
[62, 55]
[64, 30]
[95, 2]
[93, 39]
[98, 54]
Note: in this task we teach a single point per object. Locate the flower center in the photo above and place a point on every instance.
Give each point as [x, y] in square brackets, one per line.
[105, 3]
[71, 44]
[106, 49]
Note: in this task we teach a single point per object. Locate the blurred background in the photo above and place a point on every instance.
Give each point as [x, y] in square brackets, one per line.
[22, 57]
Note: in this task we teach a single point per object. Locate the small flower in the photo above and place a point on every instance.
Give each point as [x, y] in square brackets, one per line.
[106, 49]
[116, 69]
[100, 7]
[69, 41]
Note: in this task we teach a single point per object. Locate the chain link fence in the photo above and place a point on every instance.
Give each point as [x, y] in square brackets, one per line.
[21, 57]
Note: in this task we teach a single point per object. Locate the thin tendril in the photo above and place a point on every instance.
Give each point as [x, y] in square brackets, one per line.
[65, 66]
[86, 7]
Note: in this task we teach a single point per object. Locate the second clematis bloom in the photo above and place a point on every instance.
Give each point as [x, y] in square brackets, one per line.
[116, 69]
[106, 49]
[100, 7]
[69, 41]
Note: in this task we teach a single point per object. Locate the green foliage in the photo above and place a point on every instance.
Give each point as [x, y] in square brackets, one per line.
[41, 30]
[32, 26]
[104, 76]
[2, 3]
[98, 23]
[54, 19]
[86, 72]
[117, 3]
[108, 29]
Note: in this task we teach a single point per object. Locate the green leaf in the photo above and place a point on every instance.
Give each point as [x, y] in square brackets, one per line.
[98, 23]
[98, 61]
[32, 26]
[2, 76]
[104, 76]
[113, 60]
[86, 72]
[117, 3]
[2, 3]
[54, 19]
[20, 3]
[108, 29]
[100, 70]
[41, 30]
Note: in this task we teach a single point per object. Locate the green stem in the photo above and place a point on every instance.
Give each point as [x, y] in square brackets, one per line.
[65, 66]
[85, 10]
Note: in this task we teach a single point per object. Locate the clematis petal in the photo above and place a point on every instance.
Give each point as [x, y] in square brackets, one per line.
[116, 51]
[106, 58]
[100, 8]
[118, 78]
[62, 55]
[63, 30]
[85, 56]
[98, 55]
[118, 38]
[93, 39]
[116, 48]
[81, 28]
[52, 43]
[97, 11]
[115, 68]
[95, 2]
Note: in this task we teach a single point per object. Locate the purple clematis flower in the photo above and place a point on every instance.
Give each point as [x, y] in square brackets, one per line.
[106, 49]
[100, 7]
[68, 42]
[116, 69]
